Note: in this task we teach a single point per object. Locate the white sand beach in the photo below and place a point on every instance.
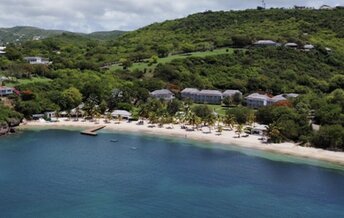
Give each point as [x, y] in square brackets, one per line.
[227, 137]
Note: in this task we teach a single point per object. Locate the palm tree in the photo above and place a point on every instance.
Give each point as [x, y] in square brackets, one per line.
[109, 117]
[219, 120]
[178, 117]
[251, 119]
[120, 118]
[219, 129]
[77, 112]
[98, 116]
[57, 115]
[210, 120]
[192, 119]
[239, 129]
[152, 117]
[198, 122]
[273, 133]
[229, 121]
[69, 114]
[144, 111]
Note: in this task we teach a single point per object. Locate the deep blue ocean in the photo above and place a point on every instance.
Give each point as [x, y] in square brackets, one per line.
[59, 173]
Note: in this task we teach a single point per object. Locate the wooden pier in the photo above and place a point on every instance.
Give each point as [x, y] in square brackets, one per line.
[92, 131]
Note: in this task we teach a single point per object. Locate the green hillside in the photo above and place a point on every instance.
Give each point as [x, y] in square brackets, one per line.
[211, 50]
[106, 35]
[27, 33]
[239, 28]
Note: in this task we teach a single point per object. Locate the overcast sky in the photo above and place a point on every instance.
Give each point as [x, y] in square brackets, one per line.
[99, 15]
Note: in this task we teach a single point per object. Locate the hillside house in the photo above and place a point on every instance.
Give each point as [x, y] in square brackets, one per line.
[308, 47]
[291, 45]
[290, 95]
[297, 7]
[2, 50]
[4, 91]
[164, 94]
[265, 43]
[37, 60]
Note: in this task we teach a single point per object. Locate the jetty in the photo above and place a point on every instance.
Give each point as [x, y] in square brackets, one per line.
[92, 131]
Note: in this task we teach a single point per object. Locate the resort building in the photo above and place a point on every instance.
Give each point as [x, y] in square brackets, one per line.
[204, 96]
[209, 97]
[4, 91]
[37, 60]
[164, 94]
[230, 93]
[189, 93]
[257, 100]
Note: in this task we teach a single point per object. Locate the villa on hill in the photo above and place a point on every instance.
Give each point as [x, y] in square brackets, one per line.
[4, 91]
[164, 94]
[2, 50]
[265, 43]
[308, 47]
[291, 45]
[38, 60]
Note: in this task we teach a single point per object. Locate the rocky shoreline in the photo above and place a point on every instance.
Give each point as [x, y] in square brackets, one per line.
[8, 127]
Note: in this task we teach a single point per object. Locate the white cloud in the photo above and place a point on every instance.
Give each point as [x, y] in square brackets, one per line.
[87, 16]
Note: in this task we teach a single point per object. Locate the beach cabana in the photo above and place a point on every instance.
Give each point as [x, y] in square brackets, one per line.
[259, 129]
[37, 116]
[121, 113]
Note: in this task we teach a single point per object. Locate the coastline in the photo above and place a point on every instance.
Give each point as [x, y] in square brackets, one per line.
[226, 138]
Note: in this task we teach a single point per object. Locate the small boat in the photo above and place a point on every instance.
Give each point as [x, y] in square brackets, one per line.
[133, 148]
[114, 140]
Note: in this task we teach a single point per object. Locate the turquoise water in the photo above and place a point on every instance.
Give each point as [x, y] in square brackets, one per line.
[58, 173]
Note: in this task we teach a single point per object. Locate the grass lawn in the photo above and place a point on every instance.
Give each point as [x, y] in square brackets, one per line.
[217, 108]
[143, 65]
[27, 81]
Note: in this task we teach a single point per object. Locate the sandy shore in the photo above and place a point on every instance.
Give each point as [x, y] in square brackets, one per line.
[227, 138]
